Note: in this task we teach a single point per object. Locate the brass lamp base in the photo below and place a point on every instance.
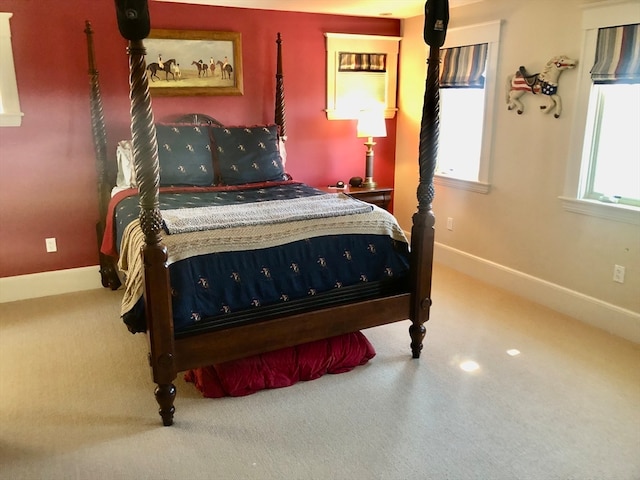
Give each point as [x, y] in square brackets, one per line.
[369, 183]
[368, 175]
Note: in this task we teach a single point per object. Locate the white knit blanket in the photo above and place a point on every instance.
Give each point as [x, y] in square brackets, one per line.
[185, 220]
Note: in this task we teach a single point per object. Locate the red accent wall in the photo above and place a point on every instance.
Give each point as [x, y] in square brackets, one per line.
[47, 170]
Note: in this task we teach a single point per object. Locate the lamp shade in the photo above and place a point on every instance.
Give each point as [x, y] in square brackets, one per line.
[371, 123]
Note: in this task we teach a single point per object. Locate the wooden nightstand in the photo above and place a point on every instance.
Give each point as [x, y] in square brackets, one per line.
[380, 196]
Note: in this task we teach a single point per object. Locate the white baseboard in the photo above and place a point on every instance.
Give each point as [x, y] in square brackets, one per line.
[611, 318]
[36, 285]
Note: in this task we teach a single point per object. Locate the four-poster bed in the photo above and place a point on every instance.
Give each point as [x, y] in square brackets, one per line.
[397, 288]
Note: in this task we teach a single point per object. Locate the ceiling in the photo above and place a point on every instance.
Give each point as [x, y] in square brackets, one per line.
[360, 8]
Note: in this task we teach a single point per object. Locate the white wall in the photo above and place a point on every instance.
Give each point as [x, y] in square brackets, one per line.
[521, 226]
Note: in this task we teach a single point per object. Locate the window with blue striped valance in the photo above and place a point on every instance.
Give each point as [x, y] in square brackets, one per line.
[362, 62]
[617, 55]
[463, 67]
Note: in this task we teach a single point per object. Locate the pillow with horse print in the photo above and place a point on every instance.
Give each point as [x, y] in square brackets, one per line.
[247, 154]
[184, 154]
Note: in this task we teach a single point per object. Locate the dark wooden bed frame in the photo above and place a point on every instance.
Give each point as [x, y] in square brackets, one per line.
[169, 355]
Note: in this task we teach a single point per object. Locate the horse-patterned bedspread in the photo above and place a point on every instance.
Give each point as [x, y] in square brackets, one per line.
[216, 272]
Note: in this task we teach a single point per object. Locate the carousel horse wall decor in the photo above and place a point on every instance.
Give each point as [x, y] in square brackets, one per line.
[545, 83]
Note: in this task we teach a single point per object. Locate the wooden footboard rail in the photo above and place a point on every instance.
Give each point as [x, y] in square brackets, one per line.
[167, 355]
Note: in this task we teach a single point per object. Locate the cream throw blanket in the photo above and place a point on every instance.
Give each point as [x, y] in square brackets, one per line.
[185, 245]
[183, 220]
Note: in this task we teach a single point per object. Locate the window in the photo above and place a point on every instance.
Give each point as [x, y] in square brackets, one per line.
[613, 153]
[603, 175]
[10, 115]
[467, 98]
[462, 98]
[361, 71]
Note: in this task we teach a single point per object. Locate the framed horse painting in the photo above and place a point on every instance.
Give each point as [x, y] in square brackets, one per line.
[193, 62]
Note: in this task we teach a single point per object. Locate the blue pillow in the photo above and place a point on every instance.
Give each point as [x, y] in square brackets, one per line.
[247, 154]
[184, 153]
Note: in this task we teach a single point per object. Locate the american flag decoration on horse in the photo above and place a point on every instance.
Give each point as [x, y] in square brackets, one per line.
[545, 83]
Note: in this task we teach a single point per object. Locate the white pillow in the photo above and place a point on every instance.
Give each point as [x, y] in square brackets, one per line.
[283, 151]
[126, 173]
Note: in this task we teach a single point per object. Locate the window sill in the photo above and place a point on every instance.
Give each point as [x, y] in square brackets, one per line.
[353, 115]
[11, 119]
[609, 211]
[470, 185]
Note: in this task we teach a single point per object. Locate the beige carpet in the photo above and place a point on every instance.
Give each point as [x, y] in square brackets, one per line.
[76, 401]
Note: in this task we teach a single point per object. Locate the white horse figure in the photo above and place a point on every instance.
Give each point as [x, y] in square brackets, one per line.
[545, 83]
[175, 68]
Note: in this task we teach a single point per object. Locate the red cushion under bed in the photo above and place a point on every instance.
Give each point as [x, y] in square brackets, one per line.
[282, 368]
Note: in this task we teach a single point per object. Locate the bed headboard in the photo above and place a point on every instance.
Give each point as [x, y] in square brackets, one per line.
[196, 119]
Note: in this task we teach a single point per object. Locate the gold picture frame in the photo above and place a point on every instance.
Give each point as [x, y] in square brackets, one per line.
[179, 62]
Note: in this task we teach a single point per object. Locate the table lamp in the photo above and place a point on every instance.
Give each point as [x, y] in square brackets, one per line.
[371, 124]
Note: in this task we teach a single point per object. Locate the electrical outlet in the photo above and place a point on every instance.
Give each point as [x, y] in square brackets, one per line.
[618, 273]
[449, 223]
[51, 244]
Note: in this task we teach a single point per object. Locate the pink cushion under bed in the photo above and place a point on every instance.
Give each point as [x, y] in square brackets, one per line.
[282, 368]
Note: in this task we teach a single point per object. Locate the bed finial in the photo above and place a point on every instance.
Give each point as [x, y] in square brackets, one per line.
[88, 30]
[436, 13]
[280, 116]
[133, 19]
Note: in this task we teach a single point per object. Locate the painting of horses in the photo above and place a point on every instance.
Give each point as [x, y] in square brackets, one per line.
[190, 62]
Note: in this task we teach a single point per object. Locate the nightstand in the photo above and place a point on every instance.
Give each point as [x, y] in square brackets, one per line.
[380, 196]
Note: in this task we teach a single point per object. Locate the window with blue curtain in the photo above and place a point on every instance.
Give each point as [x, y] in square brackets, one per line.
[613, 173]
[362, 62]
[462, 99]
[463, 67]
[617, 55]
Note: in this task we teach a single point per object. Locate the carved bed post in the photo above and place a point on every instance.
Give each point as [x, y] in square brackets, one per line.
[422, 232]
[133, 22]
[280, 114]
[108, 271]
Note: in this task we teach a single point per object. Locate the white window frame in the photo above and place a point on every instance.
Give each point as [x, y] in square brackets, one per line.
[10, 114]
[594, 17]
[488, 33]
[354, 43]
